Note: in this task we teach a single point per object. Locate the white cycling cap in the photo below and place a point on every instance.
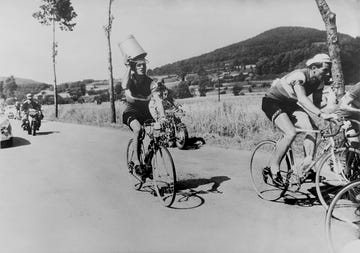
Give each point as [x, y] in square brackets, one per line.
[319, 58]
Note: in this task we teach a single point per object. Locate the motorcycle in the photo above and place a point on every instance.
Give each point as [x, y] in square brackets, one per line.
[175, 131]
[32, 124]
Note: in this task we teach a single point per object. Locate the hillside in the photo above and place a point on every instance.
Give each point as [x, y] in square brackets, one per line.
[274, 52]
[21, 81]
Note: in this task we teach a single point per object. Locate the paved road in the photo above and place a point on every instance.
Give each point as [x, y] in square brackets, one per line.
[67, 190]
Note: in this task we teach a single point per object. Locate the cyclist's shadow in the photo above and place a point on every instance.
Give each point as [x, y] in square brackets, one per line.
[188, 191]
[301, 198]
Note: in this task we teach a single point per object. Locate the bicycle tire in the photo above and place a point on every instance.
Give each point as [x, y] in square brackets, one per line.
[259, 160]
[33, 127]
[164, 175]
[327, 181]
[137, 184]
[342, 220]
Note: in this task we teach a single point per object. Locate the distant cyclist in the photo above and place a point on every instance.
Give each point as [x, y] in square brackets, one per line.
[138, 90]
[281, 106]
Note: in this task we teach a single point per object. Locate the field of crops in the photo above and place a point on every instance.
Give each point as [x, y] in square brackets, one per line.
[236, 122]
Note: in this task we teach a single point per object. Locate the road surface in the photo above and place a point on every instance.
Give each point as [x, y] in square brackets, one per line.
[67, 190]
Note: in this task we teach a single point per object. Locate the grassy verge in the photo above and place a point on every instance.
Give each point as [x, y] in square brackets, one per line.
[235, 122]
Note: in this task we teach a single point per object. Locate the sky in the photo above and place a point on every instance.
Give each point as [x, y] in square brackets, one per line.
[168, 30]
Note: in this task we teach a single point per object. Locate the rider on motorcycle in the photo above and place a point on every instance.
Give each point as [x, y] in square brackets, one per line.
[164, 98]
[30, 103]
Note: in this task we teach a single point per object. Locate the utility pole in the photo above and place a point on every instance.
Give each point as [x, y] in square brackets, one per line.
[218, 75]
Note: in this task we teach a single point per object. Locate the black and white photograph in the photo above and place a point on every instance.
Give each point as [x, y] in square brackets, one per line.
[180, 126]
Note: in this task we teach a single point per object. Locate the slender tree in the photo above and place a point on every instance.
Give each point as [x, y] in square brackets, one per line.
[61, 13]
[329, 19]
[107, 29]
[9, 87]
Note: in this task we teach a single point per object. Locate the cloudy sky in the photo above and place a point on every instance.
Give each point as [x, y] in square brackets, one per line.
[169, 30]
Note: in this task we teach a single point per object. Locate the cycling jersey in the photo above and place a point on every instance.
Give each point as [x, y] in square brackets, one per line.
[283, 89]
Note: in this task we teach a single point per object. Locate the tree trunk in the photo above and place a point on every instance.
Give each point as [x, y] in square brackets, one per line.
[111, 80]
[329, 19]
[54, 68]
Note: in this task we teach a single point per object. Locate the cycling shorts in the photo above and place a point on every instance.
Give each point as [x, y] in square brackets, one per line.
[273, 108]
[139, 112]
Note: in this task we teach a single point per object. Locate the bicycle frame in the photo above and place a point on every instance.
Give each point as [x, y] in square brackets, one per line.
[329, 147]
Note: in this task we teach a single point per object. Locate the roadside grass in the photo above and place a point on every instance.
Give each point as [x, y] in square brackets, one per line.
[234, 122]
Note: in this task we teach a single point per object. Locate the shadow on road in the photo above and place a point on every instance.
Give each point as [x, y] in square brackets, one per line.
[16, 142]
[301, 198]
[194, 143]
[188, 191]
[47, 133]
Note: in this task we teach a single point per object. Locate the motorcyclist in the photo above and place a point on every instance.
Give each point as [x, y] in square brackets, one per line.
[18, 107]
[30, 103]
[165, 99]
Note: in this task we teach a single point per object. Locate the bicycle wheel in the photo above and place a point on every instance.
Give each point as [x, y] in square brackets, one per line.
[164, 176]
[342, 222]
[335, 171]
[260, 159]
[130, 154]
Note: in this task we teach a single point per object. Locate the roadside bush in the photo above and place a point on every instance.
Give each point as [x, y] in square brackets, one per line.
[182, 90]
[236, 89]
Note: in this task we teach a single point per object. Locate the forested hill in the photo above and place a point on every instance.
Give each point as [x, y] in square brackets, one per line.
[274, 52]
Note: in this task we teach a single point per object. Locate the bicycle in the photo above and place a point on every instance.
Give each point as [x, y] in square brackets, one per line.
[342, 221]
[337, 168]
[264, 151]
[157, 162]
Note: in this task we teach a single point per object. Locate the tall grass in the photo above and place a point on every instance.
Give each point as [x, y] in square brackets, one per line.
[233, 122]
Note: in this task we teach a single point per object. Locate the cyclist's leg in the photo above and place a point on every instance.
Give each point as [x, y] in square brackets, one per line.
[136, 129]
[303, 121]
[275, 111]
[132, 118]
[283, 122]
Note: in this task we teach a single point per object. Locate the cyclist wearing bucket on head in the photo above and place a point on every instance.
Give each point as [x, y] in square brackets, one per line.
[281, 106]
[138, 90]
[349, 108]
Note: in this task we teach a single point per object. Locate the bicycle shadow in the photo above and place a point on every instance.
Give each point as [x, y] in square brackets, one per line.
[188, 191]
[194, 143]
[303, 198]
[47, 133]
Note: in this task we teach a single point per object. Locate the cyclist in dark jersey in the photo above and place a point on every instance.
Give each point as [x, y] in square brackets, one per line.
[281, 106]
[138, 90]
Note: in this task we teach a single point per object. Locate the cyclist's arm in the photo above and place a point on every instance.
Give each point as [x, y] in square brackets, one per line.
[345, 104]
[129, 95]
[126, 78]
[304, 101]
[317, 98]
[158, 104]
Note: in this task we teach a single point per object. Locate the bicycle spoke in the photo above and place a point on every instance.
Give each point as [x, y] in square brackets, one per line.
[259, 163]
[343, 218]
[164, 176]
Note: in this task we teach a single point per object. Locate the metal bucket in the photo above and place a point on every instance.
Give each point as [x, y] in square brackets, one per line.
[130, 48]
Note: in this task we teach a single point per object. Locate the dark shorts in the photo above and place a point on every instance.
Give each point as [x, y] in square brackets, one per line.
[139, 112]
[273, 108]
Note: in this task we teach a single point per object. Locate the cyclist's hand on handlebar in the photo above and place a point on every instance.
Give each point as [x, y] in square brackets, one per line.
[329, 116]
[162, 120]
